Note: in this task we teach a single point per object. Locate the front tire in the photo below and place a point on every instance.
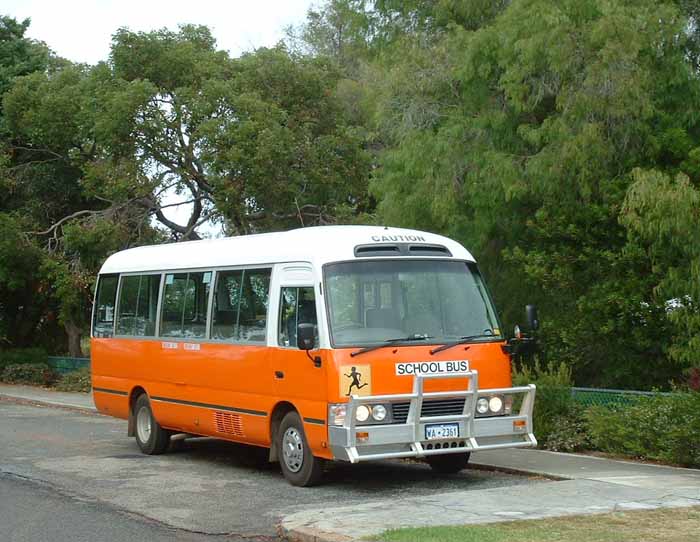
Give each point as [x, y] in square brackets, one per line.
[449, 463]
[150, 436]
[298, 464]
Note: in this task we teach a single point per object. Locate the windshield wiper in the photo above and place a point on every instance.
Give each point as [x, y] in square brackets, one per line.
[461, 340]
[389, 342]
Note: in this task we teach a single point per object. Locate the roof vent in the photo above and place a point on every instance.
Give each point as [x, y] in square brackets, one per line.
[400, 249]
[377, 250]
[429, 250]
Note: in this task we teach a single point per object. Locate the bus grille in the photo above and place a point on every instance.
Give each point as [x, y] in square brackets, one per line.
[230, 424]
[440, 407]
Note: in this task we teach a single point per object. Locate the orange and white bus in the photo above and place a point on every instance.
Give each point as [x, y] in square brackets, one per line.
[348, 343]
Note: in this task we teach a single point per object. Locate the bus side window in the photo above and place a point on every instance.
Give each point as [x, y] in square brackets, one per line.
[138, 299]
[297, 306]
[240, 305]
[103, 325]
[184, 313]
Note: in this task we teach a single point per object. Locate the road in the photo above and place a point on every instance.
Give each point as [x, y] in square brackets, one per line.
[36, 513]
[83, 465]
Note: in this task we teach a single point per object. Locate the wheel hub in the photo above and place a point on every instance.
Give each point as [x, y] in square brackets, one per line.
[293, 449]
[143, 424]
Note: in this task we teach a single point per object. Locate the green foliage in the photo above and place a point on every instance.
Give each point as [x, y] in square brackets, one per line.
[18, 55]
[521, 138]
[75, 381]
[557, 419]
[663, 427]
[39, 374]
[663, 213]
[18, 356]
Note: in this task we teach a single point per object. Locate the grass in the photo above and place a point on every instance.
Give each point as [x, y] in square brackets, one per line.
[664, 524]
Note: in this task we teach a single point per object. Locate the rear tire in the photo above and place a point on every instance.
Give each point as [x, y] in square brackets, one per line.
[298, 464]
[449, 463]
[150, 436]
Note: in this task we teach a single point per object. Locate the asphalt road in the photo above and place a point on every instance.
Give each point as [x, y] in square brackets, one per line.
[32, 512]
[207, 486]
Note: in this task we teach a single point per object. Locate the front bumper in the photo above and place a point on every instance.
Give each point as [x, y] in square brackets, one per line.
[408, 439]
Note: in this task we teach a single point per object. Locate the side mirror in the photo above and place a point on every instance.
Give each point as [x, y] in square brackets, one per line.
[532, 320]
[306, 336]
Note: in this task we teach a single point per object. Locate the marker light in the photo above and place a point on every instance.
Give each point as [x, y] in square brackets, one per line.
[378, 413]
[482, 405]
[495, 404]
[362, 413]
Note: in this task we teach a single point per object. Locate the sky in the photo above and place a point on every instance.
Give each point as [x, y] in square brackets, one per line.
[81, 31]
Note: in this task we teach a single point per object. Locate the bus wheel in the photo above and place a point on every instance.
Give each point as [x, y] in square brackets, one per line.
[151, 437]
[299, 466]
[449, 463]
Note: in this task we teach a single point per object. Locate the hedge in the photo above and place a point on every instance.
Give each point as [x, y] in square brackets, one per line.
[29, 373]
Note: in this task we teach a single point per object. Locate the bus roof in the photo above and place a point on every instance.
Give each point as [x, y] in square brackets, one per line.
[317, 245]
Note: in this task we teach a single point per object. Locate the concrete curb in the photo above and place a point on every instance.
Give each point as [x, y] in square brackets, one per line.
[517, 472]
[47, 403]
[309, 534]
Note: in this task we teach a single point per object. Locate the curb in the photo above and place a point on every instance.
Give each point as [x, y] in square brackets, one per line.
[46, 403]
[309, 534]
[519, 472]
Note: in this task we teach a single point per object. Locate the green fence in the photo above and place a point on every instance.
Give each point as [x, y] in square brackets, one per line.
[609, 397]
[64, 365]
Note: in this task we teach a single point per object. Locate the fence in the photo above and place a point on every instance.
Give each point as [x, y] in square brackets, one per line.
[609, 397]
[64, 365]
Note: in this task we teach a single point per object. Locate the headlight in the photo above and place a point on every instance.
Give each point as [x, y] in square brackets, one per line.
[362, 413]
[495, 404]
[482, 405]
[337, 414]
[379, 413]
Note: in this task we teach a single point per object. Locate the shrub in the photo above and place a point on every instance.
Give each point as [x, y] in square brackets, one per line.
[559, 422]
[17, 356]
[29, 373]
[75, 381]
[664, 427]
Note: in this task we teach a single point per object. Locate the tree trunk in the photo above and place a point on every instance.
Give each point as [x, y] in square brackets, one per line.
[75, 334]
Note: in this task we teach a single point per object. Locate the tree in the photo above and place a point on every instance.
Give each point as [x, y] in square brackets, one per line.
[96, 154]
[520, 138]
[663, 214]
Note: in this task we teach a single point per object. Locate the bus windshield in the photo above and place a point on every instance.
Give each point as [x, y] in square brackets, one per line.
[370, 302]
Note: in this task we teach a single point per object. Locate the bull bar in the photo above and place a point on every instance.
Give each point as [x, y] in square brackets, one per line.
[399, 440]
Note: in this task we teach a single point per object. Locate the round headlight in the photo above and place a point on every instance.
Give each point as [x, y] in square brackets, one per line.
[379, 412]
[495, 404]
[482, 405]
[362, 413]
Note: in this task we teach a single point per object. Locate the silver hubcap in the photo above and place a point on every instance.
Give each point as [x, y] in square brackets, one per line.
[293, 449]
[143, 424]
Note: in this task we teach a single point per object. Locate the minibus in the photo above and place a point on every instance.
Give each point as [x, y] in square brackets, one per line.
[331, 343]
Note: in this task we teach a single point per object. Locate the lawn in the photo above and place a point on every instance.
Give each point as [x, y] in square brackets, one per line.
[667, 525]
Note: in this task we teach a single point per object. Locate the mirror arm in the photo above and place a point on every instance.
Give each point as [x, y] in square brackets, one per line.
[315, 359]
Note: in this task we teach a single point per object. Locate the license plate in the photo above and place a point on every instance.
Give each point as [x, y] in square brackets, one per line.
[441, 431]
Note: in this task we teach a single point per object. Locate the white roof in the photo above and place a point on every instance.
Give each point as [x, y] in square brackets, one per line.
[317, 245]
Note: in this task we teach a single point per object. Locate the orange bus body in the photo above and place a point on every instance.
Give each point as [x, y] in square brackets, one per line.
[211, 381]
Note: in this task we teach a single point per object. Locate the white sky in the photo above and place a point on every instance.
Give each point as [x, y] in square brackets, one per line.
[81, 31]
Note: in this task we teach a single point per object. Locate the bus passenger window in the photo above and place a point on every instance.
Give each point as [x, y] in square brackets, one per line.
[240, 305]
[138, 301]
[297, 306]
[185, 300]
[103, 326]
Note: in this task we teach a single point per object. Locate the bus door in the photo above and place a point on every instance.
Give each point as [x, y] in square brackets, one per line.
[297, 378]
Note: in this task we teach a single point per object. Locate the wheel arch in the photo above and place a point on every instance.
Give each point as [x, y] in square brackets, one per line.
[135, 393]
[280, 410]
